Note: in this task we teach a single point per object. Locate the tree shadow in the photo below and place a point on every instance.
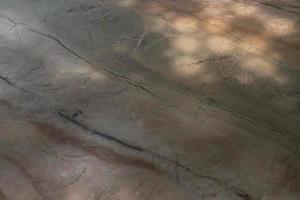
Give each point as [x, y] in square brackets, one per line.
[225, 55]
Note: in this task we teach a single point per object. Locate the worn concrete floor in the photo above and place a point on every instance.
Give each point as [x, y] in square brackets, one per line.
[149, 99]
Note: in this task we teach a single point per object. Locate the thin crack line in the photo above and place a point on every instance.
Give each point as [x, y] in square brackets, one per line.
[8, 82]
[141, 39]
[64, 114]
[279, 7]
[59, 42]
[77, 178]
[10, 20]
[133, 83]
[291, 137]
[237, 191]
[128, 80]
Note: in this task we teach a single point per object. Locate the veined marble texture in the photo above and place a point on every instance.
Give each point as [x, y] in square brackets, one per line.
[149, 99]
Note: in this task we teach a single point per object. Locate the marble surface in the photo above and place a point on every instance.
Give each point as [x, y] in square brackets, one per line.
[140, 99]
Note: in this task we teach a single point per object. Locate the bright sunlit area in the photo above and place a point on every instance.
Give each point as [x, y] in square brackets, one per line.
[149, 100]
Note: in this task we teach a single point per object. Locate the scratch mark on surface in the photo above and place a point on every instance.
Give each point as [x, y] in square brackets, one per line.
[237, 191]
[77, 178]
[14, 85]
[63, 113]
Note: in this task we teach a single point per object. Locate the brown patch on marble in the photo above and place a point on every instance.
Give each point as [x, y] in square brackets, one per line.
[2, 196]
[35, 183]
[159, 6]
[101, 152]
[292, 175]
[153, 122]
[6, 103]
[160, 123]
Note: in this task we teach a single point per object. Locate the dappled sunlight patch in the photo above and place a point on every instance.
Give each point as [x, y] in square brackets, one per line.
[185, 24]
[280, 26]
[191, 30]
[194, 75]
[216, 26]
[184, 66]
[262, 68]
[258, 66]
[245, 78]
[219, 44]
[153, 7]
[254, 43]
[71, 71]
[183, 60]
[208, 78]
[243, 9]
[187, 71]
[185, 43]
[127, 3]
[212, 8]
[156, 24]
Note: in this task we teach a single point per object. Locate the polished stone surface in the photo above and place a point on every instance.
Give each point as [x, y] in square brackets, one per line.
[149, 99]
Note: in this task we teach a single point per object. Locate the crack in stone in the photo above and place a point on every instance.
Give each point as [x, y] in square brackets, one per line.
[283, 8]
[76, 179]
[63, 113]
[132, 83]
[14, 85]
[51, 37]
[10, 20]
[136, 85]
[128, 80]
[237, 191]
[57, 41]
[211, 59]
[293, 140]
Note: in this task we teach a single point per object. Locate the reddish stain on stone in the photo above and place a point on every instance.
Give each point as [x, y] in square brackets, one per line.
[103, 153]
